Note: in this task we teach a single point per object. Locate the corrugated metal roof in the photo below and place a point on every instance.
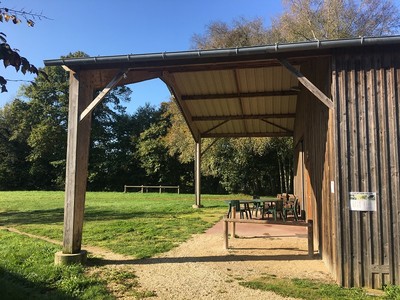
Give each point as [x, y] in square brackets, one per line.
[225, 92]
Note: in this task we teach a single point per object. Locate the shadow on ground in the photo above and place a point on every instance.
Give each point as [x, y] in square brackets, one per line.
[202, 259]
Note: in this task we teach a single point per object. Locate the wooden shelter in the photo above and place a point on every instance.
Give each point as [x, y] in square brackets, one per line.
[339, 99]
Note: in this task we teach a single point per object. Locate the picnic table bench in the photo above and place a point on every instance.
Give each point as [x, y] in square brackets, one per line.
[233, 221]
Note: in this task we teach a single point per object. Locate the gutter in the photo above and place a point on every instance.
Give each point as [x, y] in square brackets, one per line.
[227, 52]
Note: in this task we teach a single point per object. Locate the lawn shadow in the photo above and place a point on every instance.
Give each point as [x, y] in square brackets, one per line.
[50, 216]
[272, 236]
[266, 248]
[32, 217]
[14, 286]
[200, 259]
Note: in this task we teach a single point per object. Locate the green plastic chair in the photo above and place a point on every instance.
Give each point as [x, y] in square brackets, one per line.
[275, 210]
[291, 209]
[242, 211]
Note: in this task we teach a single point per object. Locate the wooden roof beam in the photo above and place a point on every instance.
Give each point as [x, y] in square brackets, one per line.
[236, 76]
[245, 117]
[277, 126]
[293, 92]
[246, 134]
[216, 126]
[170, 81]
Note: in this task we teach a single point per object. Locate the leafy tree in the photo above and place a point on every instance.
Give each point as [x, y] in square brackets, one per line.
[161, 168]
[333, 19]
[178, 139]
[47, 117]
[110, 155]
[34, 132]
[13, 146]
[115, 157]
[241, 33]
[244, 165]
[9, 55]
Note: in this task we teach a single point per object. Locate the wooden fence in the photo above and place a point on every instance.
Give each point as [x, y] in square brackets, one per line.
[145, 188]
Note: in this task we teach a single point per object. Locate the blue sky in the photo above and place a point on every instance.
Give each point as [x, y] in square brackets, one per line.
[119, 27]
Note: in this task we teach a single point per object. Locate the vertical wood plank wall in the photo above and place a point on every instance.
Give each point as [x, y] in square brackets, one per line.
[366, 87]
[314, 135]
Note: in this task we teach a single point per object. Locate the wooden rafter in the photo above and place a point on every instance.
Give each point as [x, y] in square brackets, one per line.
[241, 95]
[216, 126]
[277, 126]
[237, 84]
[247, 117]
[170, 81]
[244, 134]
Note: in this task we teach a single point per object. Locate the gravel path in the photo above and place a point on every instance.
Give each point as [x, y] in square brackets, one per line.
[201, 269]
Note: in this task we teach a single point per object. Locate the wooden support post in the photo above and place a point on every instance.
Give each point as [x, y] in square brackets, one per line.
[197, 168]
[310, 235]
[233, 216]
[225, 222]
[80, 95]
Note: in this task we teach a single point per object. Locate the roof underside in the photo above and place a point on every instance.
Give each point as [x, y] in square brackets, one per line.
[223, 93]
[238, 102]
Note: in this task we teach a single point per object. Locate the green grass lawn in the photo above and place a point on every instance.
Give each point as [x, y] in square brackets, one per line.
[313, 290]
[27, 271]
[137, 224]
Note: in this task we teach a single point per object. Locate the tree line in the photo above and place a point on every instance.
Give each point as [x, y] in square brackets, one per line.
[153, 145]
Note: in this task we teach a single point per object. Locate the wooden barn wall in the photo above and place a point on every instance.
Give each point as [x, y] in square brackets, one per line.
[366, 87]
[314, 164]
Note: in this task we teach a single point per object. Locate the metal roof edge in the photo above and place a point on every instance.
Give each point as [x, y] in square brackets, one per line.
[226, 52]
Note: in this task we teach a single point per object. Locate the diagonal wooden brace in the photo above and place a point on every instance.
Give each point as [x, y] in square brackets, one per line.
[120, 75]
[307, 83]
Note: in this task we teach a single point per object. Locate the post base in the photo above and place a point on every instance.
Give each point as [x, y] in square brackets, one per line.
[197, 206]
[61, 258]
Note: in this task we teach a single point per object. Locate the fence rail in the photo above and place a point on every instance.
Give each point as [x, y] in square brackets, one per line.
[145, 188]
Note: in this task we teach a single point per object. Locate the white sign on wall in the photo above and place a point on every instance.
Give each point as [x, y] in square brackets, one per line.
[363, 201]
